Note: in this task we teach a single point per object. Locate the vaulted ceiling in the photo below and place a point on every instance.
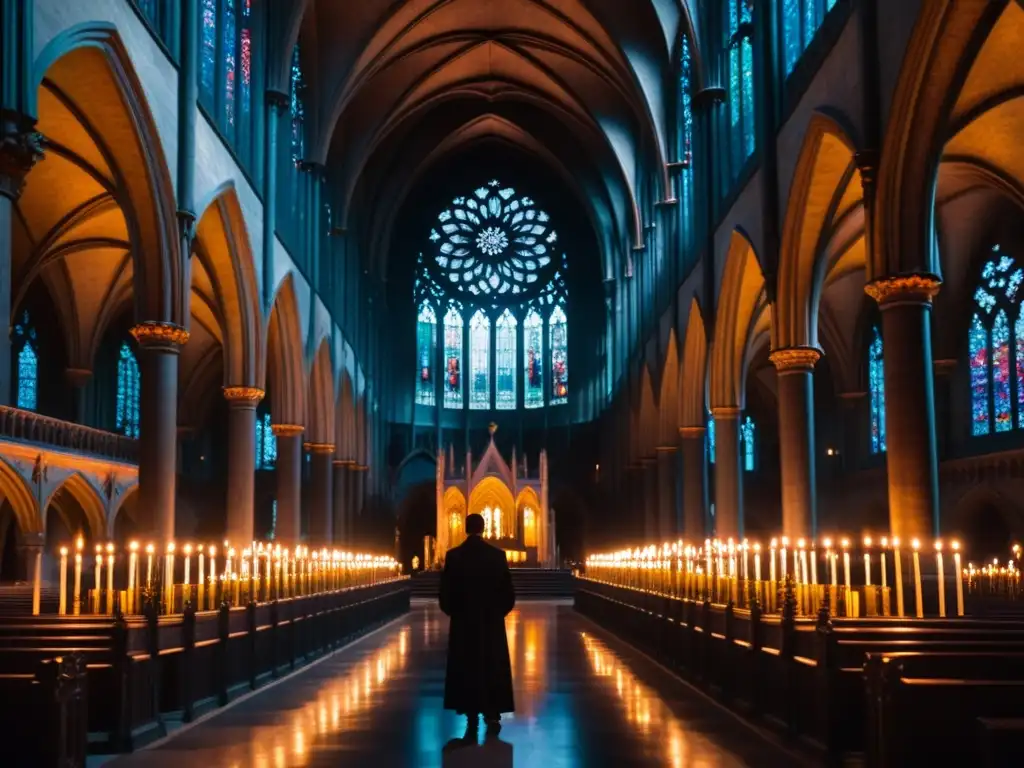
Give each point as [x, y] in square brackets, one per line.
[587, 87]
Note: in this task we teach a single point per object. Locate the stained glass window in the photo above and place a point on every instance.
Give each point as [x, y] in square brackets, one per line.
[558, 328]
[685, 193]
[266, 442]
[297, 108]
[28, 363]
[749, 444]
[225, 70]
[533, 352]
[208, 50]
[128, 383]
[480, 361]
[800, 22]
[876, 383]
[741, 81]
[453, 358]
[711, 439]
[426, 348]
[995, 346]
[505, 331]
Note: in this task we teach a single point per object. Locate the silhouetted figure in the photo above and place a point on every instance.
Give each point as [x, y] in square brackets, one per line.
[477, 593]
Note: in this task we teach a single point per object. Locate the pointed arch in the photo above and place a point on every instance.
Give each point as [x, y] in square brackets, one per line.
[20, 496]
[320, 424]
[693, 377]
[89, 498]
[285, 363]
[344, 430]
[226, 268]
[824, 170]
[91, 60]
[741, 301]
[647, 422]
[668, 400]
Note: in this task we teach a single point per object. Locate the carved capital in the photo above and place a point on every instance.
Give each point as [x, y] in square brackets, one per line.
[160, 335]
[243, 396]
[341, 463]
[726, 412]
[665, 449]
[19, 151]
[903, 289]
[795, 359]
[692, 433]
[321, 448]
[867, 164]
[287, 430]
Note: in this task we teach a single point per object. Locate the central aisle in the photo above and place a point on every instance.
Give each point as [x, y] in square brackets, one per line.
[584, 700]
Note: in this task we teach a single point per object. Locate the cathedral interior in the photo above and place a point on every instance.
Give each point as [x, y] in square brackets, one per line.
[612, 273]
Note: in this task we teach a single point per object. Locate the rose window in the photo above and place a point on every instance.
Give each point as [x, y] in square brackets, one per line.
[495, 242]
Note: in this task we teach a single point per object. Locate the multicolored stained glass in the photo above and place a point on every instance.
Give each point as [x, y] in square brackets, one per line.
[230, 61]
[1001, 402]
[710, 436]
[208, 50]
[266, 442]
[558, 330]
[28, 363]
[685, 185]
[426, 350]
[298, 108]
[480, 361]
[876, 384]
[747, 435]
[453, 358]
[533, 354]
[1018, 335]
[741, 81]
[980, 401]
[800, 22]
[128, 388]
[505, 338]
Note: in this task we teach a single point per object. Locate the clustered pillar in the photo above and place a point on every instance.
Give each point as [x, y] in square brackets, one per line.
[242, 403]
[321, 492]
[728, 476]
[795, 367]
[694, 461]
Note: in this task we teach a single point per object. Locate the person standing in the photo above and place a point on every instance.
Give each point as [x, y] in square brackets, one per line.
[477, 594]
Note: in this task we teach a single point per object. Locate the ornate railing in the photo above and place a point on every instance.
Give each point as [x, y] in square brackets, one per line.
[31, 427]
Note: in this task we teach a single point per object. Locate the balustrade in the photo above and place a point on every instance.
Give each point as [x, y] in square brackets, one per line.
[31, 427]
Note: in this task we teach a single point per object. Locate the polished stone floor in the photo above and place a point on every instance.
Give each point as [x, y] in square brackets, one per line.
[583, 700]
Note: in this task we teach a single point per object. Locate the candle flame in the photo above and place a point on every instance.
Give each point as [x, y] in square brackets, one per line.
[916, 544]
[63, 551]
[867, 541]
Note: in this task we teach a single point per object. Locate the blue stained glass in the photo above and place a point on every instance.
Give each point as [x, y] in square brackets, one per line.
[28, 363]
[533, 351]
[558, 328]
[1001, 373]
[978, 350]
[876, 383]
[480, 361]
[426, 347]
[273, 521]
[208, 49]
[298, 109]
[749, 444]
[128, 383]
[505, 363]
[453, 358]
[711, 438]
[229, 44]
[266, 442]
[246, 58]
[1018, 335]
[791, 33]
[747, 49]
[686, 88]
[811, 20]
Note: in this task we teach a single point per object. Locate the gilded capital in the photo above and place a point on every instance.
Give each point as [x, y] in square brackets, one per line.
[665, 449]
[692, 432]
[244, 395]
[287, 430]
[726, 412]
[795, 359]
[358, 467]
[322, 448]
[153, 334]
[901, 289]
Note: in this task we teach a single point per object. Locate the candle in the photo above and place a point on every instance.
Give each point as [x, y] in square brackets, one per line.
[62, 608]
[782, 558]
[771, 568]
[202, 566]
[757, 562]
[169, 577]
[867, 561]
[149, 566]
[99, 579]
[746, 555]
[898, 571]
[188, 564]
[885, 543]
[802, 548]
[77, 608]
[133, 559]
[830, 561]
[959, 579]
[917, 578]
[110, 578]
[814, 565]
[846, 563]
[940, 573]
[213, 575]
[707, 550]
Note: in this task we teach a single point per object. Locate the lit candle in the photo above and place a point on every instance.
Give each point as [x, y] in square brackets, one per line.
[782, 558]
[867, 561]
[110, 578]
[202, 566]
[169, 577]
[830, 561]
[62, 608]
[814, 565]
[846, 563]
[77, 608]
[213, 575]
[188, 564]
[149, 566]
[898, 571]
[99, 579]
[917, 578]
[133, 559]
[959, 579]
[746, 556]
[757, 562]
[885, 543]
[771, 566]
[801, 545]
[707, 555]
[942, 578]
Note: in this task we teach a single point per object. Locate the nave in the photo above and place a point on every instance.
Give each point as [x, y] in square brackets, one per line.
[583, 699]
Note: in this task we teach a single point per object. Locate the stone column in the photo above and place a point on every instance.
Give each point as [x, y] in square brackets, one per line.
[694, 455]
[795, 368]
[321, 494]
[728, 473]
[289, 483]
[905, 302]
[944, 371]
[78, 378]
[856, 440]
[668, 525]
[242, 402]
[339, 506]
[356, 490]
[158, 422]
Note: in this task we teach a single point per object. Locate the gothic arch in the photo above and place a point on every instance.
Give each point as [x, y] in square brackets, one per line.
[668, 398]
[345, 427]
[647, 421]
[89, 499]
[320, 426]
[742, 305]
[21, 498]
[693, 375]
[824, 171]
[285, 364]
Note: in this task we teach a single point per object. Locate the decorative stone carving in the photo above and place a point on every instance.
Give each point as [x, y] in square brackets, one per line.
[40, 470]
[726, 412]
[19, 152]
[287, 430]
[154, 334]
[795, 359]
[692, 432]
[322, 448]
[244, 396]
[912, 288]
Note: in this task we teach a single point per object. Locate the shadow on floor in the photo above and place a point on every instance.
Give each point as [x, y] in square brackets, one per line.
[460, 753]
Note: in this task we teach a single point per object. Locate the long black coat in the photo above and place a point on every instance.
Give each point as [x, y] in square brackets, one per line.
[477, 593]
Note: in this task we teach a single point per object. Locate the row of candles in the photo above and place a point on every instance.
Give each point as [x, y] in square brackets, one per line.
[689, 571]
[262, 571]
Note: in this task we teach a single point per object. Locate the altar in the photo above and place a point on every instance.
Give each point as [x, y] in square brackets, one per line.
[513, 503]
